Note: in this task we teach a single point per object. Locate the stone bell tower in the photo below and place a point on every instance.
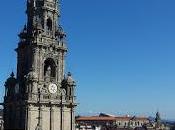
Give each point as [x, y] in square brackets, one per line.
[40, 97]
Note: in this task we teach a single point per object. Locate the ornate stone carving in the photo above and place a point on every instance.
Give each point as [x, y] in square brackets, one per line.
[41, 54]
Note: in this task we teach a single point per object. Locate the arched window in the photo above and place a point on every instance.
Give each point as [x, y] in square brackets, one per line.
[49, 24]
[49, 68]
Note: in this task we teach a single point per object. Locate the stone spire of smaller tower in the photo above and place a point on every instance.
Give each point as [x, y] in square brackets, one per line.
[158, 120]
[69, 80]
[69, 85]
[12, 74]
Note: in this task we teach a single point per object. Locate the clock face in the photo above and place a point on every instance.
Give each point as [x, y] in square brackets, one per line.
[53, 88]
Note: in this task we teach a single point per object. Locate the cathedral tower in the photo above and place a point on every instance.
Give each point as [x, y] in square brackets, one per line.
[40, 97]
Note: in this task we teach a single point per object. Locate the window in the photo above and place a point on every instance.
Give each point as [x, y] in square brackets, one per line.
[49, 24]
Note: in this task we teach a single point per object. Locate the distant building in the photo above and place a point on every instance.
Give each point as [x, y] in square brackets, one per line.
[157, 124]
[111, 122]
[104, 122]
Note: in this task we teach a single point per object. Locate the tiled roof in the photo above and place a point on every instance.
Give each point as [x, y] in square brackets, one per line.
[132, 118]
[110, 118]
[95, 118]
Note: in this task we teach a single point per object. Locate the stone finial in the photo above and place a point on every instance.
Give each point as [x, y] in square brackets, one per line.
[158, 119]
[69, 74]
[70, 80]
[12, 74]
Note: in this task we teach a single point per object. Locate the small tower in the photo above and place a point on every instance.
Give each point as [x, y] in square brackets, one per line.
[10, 96]
[40, 97]
[158, 120]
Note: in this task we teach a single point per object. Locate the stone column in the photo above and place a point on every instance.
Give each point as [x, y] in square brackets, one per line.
[45, 19]
[63, 66]
[62, 117]
[29, 118]
[34, 90]
[53, 24]
[72, 118]
[34, 59]
[52, 118]
[39, 63]
[57, 71]
[59, 78]
[41, 116]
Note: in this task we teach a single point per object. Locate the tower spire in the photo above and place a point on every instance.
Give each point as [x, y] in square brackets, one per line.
[43, 15]
[42, 29]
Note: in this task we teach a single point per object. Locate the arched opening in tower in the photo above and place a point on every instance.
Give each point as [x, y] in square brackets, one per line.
[49, 68]
[49, 24]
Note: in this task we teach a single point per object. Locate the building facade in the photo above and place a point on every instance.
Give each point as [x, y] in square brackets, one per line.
[40, 96]
[104, 122]
[112, 122]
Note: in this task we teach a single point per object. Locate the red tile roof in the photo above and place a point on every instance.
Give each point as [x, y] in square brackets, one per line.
[110, 118]
[95, 118]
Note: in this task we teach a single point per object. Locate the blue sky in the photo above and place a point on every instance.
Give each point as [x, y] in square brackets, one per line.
[121, 53]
